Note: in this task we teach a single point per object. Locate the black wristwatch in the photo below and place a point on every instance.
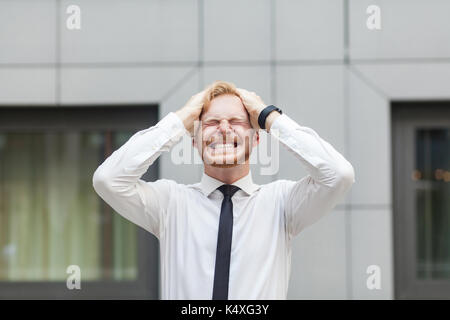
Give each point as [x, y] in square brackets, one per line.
[264, 113]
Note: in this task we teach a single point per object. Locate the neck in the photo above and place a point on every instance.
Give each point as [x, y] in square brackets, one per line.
[228, 175]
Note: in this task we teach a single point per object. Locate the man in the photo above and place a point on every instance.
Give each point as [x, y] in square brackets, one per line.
[224, 237]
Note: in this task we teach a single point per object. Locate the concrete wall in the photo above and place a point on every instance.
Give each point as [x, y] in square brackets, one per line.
[316, 59]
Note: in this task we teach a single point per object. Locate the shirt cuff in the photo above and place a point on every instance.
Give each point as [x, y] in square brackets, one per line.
[172, 126]
[282, 125]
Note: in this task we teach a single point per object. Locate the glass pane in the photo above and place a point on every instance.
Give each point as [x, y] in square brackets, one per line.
[50, 215]
[432, 182]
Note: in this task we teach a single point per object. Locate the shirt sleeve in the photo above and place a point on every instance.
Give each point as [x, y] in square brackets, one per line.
[329, 177]
[118, 179]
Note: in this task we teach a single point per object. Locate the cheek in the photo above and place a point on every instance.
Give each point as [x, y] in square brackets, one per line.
[244, 133]
[206, 133]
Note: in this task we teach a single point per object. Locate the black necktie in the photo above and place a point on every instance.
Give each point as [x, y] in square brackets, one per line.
[222, 269]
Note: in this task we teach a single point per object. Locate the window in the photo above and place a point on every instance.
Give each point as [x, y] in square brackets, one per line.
[50, 215]
[421, 149]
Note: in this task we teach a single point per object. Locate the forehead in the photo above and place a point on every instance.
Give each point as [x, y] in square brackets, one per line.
[225, 106]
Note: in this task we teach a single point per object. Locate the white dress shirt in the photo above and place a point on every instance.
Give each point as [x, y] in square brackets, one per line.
[185, 218]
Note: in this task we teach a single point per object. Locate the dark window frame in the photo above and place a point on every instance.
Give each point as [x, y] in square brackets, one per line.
[89, 117]
[406, 117]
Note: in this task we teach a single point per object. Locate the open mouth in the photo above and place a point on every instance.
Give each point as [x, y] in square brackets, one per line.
[223, 146]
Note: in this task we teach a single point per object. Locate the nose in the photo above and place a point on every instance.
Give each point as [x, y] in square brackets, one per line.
[224, 126]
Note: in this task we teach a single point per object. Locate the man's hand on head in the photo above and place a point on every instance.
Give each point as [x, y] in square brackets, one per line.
[191, 111]
[254, 105]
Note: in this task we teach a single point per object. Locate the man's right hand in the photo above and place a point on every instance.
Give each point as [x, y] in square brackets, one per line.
[191, 111]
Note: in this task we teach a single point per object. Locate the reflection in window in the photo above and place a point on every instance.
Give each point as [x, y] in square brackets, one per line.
[432, 185]
[50, 215]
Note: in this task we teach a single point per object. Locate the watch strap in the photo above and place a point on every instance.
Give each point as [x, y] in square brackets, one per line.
[265, 113]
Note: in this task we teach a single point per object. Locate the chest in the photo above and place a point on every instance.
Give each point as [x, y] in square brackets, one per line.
[258, 224]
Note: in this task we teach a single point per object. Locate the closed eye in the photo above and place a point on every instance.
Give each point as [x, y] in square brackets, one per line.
[232, 122]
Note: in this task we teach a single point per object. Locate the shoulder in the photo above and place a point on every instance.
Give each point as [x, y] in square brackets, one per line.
[278, 187]
[277, 184]
[162, 183]
[175, 186]
[283, 187]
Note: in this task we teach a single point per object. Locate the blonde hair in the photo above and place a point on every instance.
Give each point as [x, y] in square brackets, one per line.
[218, 88]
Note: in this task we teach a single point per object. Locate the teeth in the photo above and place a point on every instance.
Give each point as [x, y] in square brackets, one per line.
[221, 146]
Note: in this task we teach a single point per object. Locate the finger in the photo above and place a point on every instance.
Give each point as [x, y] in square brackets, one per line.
[199, 96]
[241, 93]
[201, 93]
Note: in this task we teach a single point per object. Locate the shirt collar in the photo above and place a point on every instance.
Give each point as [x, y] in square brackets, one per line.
[208, 184]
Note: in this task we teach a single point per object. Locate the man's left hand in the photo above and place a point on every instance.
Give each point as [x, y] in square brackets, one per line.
[254, 105]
